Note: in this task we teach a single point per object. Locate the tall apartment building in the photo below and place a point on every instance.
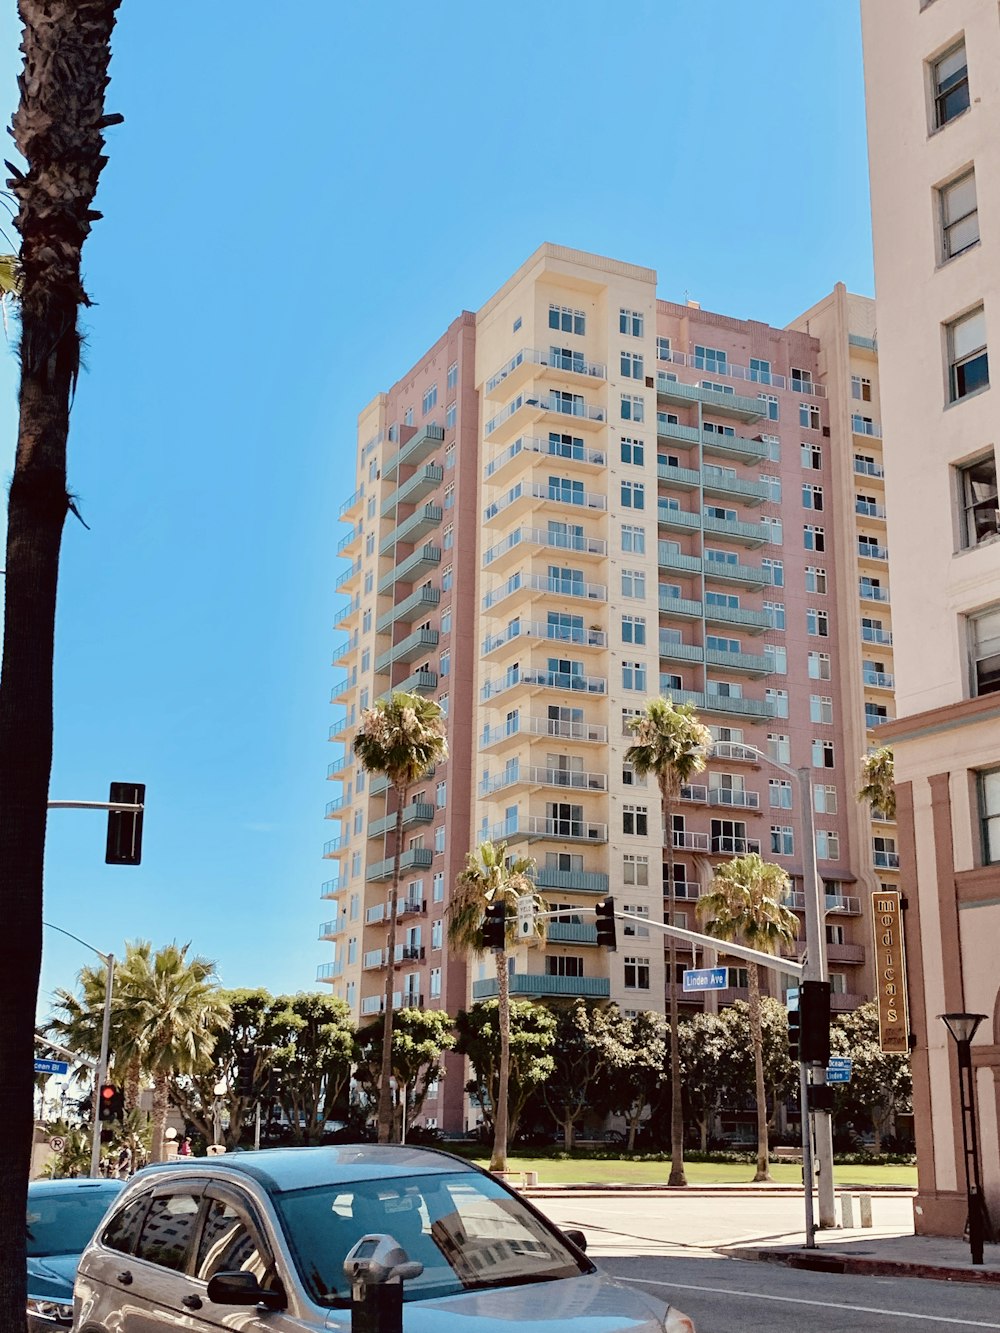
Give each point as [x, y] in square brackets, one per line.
[933, 94]
[644, 498]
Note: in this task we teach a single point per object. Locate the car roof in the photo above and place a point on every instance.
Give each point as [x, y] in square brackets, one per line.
[70, 1184]
[282, 1169]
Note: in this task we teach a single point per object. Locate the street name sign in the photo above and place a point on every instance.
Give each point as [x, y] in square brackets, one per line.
[706, 978]
[51, 1067]
[838, 1070]
[792, 997]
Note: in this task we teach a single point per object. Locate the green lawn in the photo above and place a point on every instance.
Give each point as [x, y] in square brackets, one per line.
[583, 1171]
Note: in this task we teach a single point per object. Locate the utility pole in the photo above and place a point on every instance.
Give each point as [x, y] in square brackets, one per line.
[101, 1074]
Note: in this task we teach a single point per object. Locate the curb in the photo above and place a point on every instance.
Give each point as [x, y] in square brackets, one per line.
[858, 1266]
[555, 1191]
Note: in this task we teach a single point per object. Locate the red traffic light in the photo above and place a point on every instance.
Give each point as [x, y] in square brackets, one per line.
[110, 1102]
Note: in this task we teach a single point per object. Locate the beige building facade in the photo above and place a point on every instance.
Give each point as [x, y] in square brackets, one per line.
[932, 74]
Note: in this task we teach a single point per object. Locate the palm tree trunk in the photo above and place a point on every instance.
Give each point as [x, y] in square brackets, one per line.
[676, 1176]
[498, 1161]
[763, 1170]
[385, 1111]
[161, 1101]
[58, 129]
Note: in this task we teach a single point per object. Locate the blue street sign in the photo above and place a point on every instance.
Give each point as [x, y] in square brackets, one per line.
[706, 978]
[838, 1070]
[51, 1067]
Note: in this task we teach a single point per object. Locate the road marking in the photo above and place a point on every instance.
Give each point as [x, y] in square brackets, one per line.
[800, 1300]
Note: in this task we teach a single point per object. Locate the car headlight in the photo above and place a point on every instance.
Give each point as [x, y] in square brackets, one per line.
[676, 1322]
[57, 1312]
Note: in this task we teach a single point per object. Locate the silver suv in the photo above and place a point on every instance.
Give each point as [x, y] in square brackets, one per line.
[257, 1241]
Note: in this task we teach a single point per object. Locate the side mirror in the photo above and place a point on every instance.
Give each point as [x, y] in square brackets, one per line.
[243, 1289]
[576, 1238]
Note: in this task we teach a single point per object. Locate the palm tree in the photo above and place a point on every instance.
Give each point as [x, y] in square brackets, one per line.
[58, 128]
[489, 877]
[77, 1021]
[878, 780]
[402, 736]
[170, 1009]
[670, 742]
[745, 906]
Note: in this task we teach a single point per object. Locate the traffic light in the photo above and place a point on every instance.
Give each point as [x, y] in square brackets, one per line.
[246, 1064]
[794, 1035]
[495, 926]
[605, 910]
[814, 1006]
[110, 1102]
[124, 847]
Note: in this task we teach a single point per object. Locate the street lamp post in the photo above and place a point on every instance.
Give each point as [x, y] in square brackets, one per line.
[963, 1028]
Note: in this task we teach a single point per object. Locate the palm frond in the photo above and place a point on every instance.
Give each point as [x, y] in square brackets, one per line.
[745, 905]
[669, 742]
[402, 736]
[878, 780]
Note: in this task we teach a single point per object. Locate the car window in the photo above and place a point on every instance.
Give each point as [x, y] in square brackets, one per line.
[227, 1245]
[122, 1230]
[168, 1230]
[63, 1223]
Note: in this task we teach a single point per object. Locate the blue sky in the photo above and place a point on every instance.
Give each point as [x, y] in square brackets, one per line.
[293, 212]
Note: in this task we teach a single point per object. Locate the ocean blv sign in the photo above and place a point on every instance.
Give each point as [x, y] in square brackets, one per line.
[838, 1070]
[51, 1067]
[890, 972]
[706, 978]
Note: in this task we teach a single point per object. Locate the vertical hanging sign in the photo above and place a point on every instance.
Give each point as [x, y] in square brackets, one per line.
[890, 973]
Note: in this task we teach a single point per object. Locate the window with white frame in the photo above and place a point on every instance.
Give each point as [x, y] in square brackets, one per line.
[633, 407]
[779, 747]
[950, 85]
[631, 322]
[437, 934]
[448, 538]
[633, 451]
[812, 457]
[775, 570]
[633, 929]
[813, 537]
[817, 623]
[435, 983]
[429, 399]
[779, 793]
[820, 708]
[968, 359]
[636, 973]
[634, 676]
[822, 754]
[818, 665]
[827, 845]
[771, 405]
[778, 699]
[825, 799]
[633, 495]
[861, 388]
[634, 583]
[959, 214]
[812, 496]
[632, 365]
[633, 539]
[782, 840]
[775, 533]
[772, 483]
[977, 486]
[775, 612]
[809, 416]
[815, 579]
[988, 785]
[567, 320]
[777, 656]
[635, 820]
[633, 629]
[984, 650]
[437, 886]
[635, 870]
[450, 417]
[663, 349]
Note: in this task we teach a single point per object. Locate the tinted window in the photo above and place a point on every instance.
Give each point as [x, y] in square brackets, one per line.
[168, 1229]
[121, 1231]
[227, 1245]
[63, 1223]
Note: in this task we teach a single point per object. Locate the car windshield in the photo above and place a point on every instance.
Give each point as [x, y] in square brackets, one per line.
[465, 1229]
[63, 1223]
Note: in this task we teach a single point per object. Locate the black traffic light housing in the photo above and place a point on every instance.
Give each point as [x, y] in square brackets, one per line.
[814, 1007]
[246, 1064]
[495, 926]
[794, 1035]
[124, 847]
[606, 933]
[110, 1102]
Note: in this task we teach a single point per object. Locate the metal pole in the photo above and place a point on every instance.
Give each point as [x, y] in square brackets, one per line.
[815, 970]
[256, 1127]
[807, 1155]
[101, 1076]
[970, 1145]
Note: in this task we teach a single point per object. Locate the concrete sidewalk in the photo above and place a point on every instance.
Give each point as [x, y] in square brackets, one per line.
[863, 1252]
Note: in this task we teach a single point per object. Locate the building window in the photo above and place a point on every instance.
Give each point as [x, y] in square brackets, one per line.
[779, 747]
[633, 495]
[776, 569]
[779, 794]
[778, 699]
[632, 928]
[959, 215]
[815, 579]
[632, 365]
[950, 84]
[446, 621]
[633, 451]
[636, 973]
[435, 984]
[429, 399]
[968, 361]
[782, 840]
[813, 537]
[817, 623]
[984, 635]
[861, 388]
[633, 539]
[634, 676]
[635, 820]
[809, 416]
[633, 629]
[635, 870]
[453, 375]
[633, 407]
[366, 621]
[820, 708]
[441, 795]
[437, 886]
[775, 612]
[451, 413]
[825, 800]
[448, 538]
[827, 845]
[772, 407]
[812, 457]
[663, 349]
[822, 754]
[566, 319]
[630, 322]
[710, 358]
[819, 666]
[989, 815]
[777, 656]
[634, 583]
[439, 839]
[812, 496]
[447, 578]
[444, 666]
[980, 502]
[563, 965]
[449, 496]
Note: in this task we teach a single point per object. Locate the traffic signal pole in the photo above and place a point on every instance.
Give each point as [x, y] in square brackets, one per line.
[101, 1075]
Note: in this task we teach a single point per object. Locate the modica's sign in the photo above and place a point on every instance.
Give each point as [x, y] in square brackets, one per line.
[890, 973]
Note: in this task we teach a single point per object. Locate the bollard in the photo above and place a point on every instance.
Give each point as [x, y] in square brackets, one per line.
[865, 1203]
[847, 1211]
[530, 1178]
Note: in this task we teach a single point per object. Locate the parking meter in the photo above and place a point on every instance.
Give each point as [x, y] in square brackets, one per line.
[377, 1266]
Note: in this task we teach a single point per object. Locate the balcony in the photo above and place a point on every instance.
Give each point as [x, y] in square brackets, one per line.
[344, 649]
[532, 984]
[754, 622]
[753, 577]
[863, 468]
[687, 478]
[684, 608]
[426, 479]
[736, 446]
[330, 929]
[415, 858]
[870, 593]
[332, 888]
[869, 509]
[336, 847]
[520, 827]
[739, 664]
[688, 520]
[344, 686]
[528, 775]
[870, 634]
[885, 860]
[330, 971]
[347, 612]
[529, 362]
[681, 652]
[844, 1002]
[333, 808]
[546, 539]
[409, 609]
[879, 680]
[414, 645]
[529, 447]
[404, 907]
[543, 679]
[865, 426]
[410, 531]
[719, 482]
[412, 568]
[845, 953]
[528, 584]
[571, 932]
[417, 449]
[668, 559]
[844, 904]
[538, 629]
[340, 766]
[867, 551]
[572, 881]
[719, 703]
[728, 370]
[417, 812]
[338, 729]
[684, 841]
[529, 407]
[351, 503]
[734, 800]
[722, 404]
[684, 890]
[345, 543]
[530, 495]
[589, 733]
[684, 437]
[735, 846]
[420, 682]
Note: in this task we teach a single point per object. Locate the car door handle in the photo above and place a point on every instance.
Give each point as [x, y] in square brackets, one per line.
[125, 1278]
[191, 1302]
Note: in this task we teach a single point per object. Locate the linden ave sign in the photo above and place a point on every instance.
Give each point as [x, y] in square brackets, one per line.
[890, 973]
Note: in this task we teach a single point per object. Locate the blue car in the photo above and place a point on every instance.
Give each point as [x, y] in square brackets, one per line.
[62, 1217]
